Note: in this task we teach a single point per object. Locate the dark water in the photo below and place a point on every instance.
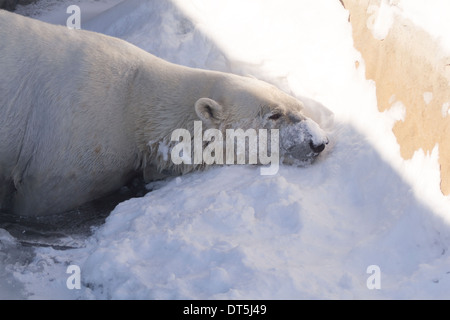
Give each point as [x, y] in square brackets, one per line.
[66, 230]
[11, 4]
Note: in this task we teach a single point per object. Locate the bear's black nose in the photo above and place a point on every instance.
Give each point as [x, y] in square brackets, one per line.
[317, 148]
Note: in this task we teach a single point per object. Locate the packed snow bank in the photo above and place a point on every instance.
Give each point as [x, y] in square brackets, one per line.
[231, 233]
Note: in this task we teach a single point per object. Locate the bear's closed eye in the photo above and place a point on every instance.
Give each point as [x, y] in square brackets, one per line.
[275, 116]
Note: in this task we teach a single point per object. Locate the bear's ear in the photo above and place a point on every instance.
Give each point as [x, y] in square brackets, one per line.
[209, 111]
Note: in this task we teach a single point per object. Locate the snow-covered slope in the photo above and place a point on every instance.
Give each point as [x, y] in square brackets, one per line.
[231, 233]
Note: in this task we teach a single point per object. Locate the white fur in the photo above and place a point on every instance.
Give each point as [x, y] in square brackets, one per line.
[81, 112]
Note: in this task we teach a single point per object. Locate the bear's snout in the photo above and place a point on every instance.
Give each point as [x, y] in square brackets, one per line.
[302, 142]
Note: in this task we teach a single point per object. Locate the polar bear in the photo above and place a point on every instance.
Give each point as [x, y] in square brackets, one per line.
[81, 113]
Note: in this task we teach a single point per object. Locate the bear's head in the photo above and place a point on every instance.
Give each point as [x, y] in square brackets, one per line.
[243, 103]
[233, 120]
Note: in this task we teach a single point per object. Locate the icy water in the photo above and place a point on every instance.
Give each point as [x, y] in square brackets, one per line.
[67, 230]
[64, 231]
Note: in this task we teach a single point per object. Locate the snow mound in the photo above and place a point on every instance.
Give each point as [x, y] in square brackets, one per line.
[230, 233]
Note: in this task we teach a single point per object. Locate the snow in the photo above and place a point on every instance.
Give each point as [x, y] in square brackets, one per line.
[381, 19]
[445, 109]
[427, 97]
[230, 233]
